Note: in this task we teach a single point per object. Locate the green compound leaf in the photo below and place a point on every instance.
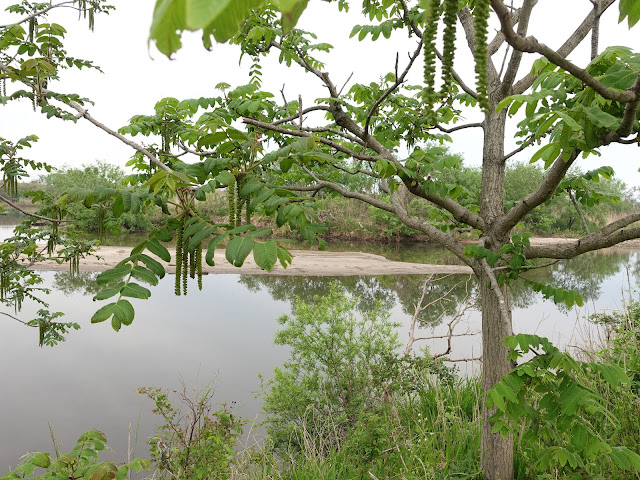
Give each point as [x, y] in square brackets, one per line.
[238, 249]
[113, 274]
[134, 290]
[266, 254]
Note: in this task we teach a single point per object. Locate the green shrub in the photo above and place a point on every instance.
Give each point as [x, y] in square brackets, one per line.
[193, 442]
[81, 462]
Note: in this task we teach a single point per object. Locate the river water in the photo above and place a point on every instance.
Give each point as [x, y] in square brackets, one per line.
[223, 336]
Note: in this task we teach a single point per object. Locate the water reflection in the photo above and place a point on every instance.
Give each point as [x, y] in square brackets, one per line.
[226, 332]
[83, 282]
[586, 275]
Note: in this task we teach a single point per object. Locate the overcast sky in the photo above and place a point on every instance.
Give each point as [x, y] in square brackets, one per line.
[137, 76]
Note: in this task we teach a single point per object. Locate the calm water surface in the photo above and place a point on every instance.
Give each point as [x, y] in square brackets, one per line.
[224, 335]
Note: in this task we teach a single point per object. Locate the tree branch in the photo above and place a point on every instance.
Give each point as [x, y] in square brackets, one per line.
[459, 212]
[547, 188]
[84, 113]
[531, 45]
[38, 13]
[392, 88]
[577, 207]
[295, 116]
[298, 133]
[21, 210]
[17, 319]
[608, 236]
[516, 56]
[442, 238]
[466, 20]
[459, 127]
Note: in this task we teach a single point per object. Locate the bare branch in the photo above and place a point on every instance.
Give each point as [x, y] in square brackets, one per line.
[18, 320]
[345, 83]
[531, 45]
[21, 210]
[454, 360]
[498, 40]
[392, 88]
[595, 30]
[577, 207]
[347, 136]
[297, 133]
[303, 112]
[38, 13]
[459, 127]
[319, 184]
[516, 56]
[84, 113]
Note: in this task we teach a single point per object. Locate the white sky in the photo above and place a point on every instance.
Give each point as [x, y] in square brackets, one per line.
[136, 76]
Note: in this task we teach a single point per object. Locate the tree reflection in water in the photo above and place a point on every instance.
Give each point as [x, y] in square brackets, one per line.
[585, 274]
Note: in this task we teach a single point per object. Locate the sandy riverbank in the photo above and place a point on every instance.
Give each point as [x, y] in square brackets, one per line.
[305, 263]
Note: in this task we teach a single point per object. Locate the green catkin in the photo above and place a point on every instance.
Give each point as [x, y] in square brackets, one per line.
[74, 265]
[429, 40]
[231, 197]
[92, 22]
[32, 28]
[481, 13]
[199, 264]
[42, 328]
[4, 284]
[185, 266]
[449, 39]
[247, 212]
[192, 264]
[179, 239]
[239, 204]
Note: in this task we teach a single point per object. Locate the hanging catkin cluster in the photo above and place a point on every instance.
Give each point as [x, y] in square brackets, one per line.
[74, 264]
[33, 23]
[179, 245]
[429, 40]
[235, 204]
[481, 12]
[448, 43]
[86, 7]
[10, 181]
[5, 284]
[188, 263]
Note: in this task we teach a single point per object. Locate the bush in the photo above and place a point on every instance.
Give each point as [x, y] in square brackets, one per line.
[81, 462]
[193, 442]
[342, 373]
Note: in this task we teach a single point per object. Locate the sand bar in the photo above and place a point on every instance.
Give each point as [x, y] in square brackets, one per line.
[305, 263]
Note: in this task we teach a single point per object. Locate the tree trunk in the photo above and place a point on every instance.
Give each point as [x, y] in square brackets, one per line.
[497, 452]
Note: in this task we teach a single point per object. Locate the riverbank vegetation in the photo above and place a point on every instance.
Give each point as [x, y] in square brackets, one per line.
[347, 404]
[346, 219]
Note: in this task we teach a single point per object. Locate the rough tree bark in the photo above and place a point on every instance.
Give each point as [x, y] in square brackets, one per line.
[497, 460]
